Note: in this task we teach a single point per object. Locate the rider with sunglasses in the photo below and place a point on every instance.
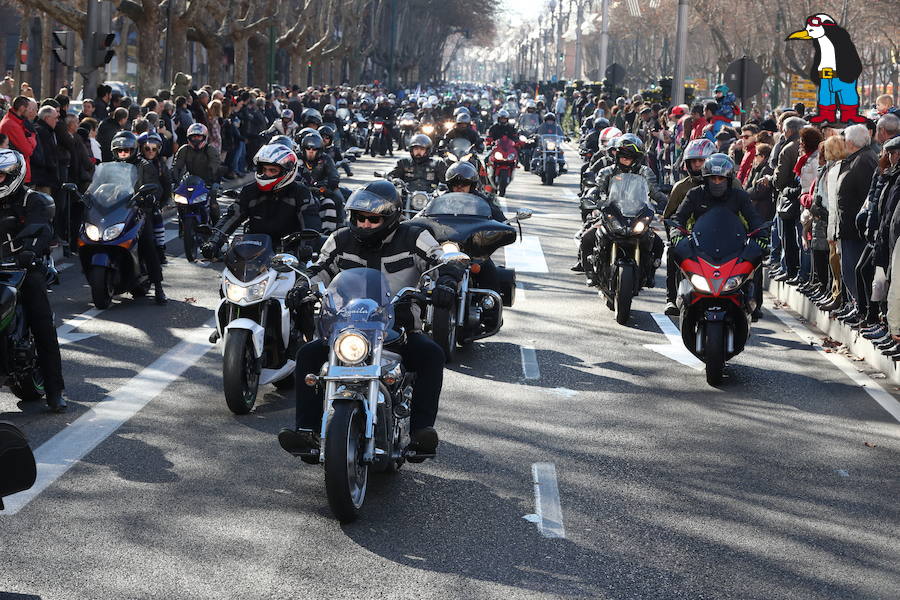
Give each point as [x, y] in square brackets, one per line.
[154, 170]
[377, 239]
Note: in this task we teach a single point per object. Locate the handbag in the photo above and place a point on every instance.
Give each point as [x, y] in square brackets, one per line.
[789, 204]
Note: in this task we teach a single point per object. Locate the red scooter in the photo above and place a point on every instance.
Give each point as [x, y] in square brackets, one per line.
[503, 158]
[717, 295]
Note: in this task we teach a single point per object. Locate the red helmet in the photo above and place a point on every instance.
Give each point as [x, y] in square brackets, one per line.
[279, 156]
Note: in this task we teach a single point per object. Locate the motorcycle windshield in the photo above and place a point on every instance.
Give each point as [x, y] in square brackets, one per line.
[459, 146]
[457, 204]
[113, 183]
[249, 255]
[720, 234]
[359, 298]
[407, 116]
[629, 192]
[343, 113]
[191, 186]
[529, 122]
[512, 108]
[506, 146]
[551, 143]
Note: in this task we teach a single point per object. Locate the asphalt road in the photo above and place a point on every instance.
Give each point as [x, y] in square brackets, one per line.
[782, 483]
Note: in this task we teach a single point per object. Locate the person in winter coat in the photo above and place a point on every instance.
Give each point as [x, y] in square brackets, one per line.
[761, 193]
[45, 160]
[21, 136]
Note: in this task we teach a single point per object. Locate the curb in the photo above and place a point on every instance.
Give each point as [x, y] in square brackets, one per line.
[834, 329]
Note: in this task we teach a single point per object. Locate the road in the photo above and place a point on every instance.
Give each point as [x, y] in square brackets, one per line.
[783, 483]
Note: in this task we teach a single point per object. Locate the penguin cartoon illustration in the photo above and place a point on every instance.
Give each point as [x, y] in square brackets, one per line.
[835, 69]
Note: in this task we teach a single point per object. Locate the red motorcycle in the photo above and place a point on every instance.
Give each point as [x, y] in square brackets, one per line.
[717, 295]
[503, 158]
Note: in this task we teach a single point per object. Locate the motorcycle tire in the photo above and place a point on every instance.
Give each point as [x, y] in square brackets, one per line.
[189, 238]
[502, 183]
[346, 476]
[28, 386]
[443, 331]
[550, 173]
[240, 373]
[714, 353]
[624, 294]
[100, 281]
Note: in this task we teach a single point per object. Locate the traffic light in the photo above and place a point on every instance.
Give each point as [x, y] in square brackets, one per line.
[101, 51]
[64, 47]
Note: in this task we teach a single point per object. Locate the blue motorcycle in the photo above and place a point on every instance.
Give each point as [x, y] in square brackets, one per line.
[196, 206]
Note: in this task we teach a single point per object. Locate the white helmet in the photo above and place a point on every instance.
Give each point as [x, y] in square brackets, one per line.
[12, 165]
[609, 134]
[280, 156]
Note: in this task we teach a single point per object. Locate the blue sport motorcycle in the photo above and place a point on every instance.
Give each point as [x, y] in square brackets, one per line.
[196, 206]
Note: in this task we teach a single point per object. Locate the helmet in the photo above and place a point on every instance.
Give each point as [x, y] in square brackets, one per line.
[502, 114]
[379, 198]
[511, 98]
[327, 130]
[197, 130]
[279, 156]
[421, 140]
[530, 104]
[341, 102]
[721, 88]
[463, 118]
[621, 101]
[630, 146]
[287, 114]
[312, 141]
[125, 140]
[329, 107]
[700, 148]
[304, 132]
[311, 115]
[428, 104]
[550, 117]
[12, 164]
[461, 109]
[719, 165]
[601, 123]
[380, 99]
[149, 137]
[609, 134]
[462, 173]
[283, 140]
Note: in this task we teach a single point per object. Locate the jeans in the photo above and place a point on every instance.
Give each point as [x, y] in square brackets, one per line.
[420, 354]
[238, 156]
[790, 245]
[851, 251]
[834, 91]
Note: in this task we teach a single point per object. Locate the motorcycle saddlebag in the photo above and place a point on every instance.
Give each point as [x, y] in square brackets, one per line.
[18, 470]
[507, 289]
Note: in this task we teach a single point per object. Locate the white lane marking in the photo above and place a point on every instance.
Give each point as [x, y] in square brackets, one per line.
[64, 266]
[503, 205]
[563, 392]
[58, 454]
[526, 256]
[878, 393]
[675, 349]
[546, 501]
[530, 367]
[520, 292]
[570, 193]
[64, 332]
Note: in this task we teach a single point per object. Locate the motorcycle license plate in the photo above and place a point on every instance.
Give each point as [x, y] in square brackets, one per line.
[345, 373]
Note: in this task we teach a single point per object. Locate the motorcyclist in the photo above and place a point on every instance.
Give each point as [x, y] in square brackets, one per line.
[33, 214]
[154, 170]
[463, 177]
[272, 205]
[316, 170]
[124, 148]
[629, 159]
[376, 238]
[463, 129]
[384, 112]
[311, 118]
[420, 171]
[551, 127]
[502, 127]
[606, 154]
[283, 126]
[328, 134]
[197, 157]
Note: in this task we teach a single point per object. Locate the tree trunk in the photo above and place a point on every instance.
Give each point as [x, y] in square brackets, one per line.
[149, 55]
[178, 54]
[46, 82]
[240, 59]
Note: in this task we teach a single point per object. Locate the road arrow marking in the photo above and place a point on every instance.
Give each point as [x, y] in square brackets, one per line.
[675, 349]
[64, 331]
[526, 256]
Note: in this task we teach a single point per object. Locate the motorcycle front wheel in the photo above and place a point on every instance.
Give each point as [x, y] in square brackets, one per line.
[346, 476]
[502, 183]
[189, 236]
[100, 281]
[549, 172]
[443, 331]
[624, 294]
[714, 353]
[240, 372]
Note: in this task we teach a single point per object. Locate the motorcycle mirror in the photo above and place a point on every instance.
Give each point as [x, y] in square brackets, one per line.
[524, 213]
[457, 257]
[70, 187]
[284, 263]
[147, 188]
[379, 173]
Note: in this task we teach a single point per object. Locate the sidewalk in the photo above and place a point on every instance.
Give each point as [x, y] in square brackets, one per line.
[824, 323]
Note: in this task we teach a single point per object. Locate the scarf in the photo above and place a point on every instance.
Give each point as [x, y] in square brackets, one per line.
[800, 162]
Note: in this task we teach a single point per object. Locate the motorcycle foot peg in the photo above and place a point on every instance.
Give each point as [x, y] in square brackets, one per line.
[214, 337]
[310, 458]
[416, 458]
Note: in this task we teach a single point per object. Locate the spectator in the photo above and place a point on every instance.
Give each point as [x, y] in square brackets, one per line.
[20, 134]
[761, 191]
[788, 198]
[101, 103]
[182, 119]
[87, 129]
[884, 104]
[87, 109]
[214, 118]
[45, 160]
[108, 128]
[748, 145]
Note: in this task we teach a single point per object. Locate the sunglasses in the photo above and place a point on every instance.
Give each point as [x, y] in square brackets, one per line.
[815, 21]
[123, 151]
[151, 148]
[747, 135]
[374, 219]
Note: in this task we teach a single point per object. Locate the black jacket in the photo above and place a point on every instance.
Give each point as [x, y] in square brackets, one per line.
[275, 214]
[698, 201]
[45, 159]
[498, 130]
[853, 186]
[33, 212]
[423, 175]
[321, 173]
[108, 128]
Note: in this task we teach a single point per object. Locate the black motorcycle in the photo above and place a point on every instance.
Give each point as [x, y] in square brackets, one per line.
[114, 216]
[619, 258]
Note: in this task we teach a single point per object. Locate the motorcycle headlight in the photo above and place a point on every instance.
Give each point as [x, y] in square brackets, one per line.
[92, 231]
[512, 156]
[351, 347]
[450, 247]
[245, 293]
[639, 227]
[498, 156]
[179, 199]
[113, 232]
[406, 123]
[512, 121]
[418, 201]
[733, 282]
[551, 145]
[523, 139]
[377, 127]
[700, 284]
[428, 129]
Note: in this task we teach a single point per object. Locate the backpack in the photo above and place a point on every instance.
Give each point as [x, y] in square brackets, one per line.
[18, 470]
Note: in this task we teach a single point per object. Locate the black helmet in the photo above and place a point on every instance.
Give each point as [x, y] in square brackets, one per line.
[379, 198]
[462, 173]
[327, 130]
[630, 146]
[312, 141]
[550, 117]
[719, 165]
[310, 115]
[124, 140]
[463, 118]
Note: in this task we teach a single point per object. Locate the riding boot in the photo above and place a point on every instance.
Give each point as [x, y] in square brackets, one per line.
[159, 295]
[161, 251]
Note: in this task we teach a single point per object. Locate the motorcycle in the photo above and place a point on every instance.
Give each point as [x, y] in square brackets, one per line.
[196, 205]
[547, 160]
[408, 126]
[110, 235]
[415, 194]
[19, 369]
[718, 258]
[367, 390]
[617, 263]
[430, 128]
[379, 139]
[358, 131]
[259, 332]
[528, 124]
[463, 222]
[503, 159]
